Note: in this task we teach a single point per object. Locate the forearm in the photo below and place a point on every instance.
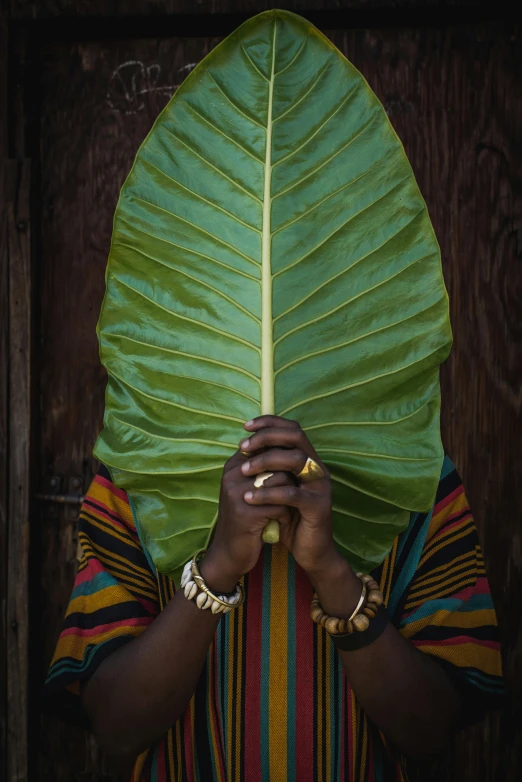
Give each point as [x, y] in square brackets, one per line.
[141, 689]
[404, 692]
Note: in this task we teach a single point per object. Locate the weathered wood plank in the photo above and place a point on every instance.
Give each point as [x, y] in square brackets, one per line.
[112, 8]
[123, 85]
[327, 10]
[4, 380]
[20, 323]
[455, 99]
[4, 391]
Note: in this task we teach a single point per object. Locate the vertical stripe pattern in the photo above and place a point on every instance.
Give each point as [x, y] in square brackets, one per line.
[273, 703]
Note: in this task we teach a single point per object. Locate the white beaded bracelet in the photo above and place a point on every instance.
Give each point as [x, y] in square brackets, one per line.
[194, 586]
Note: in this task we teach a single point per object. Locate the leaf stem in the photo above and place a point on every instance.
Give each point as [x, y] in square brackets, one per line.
[271, 531]
[267, 340]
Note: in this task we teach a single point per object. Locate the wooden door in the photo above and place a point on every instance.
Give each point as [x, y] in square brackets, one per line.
[454, 99]
[98, 102]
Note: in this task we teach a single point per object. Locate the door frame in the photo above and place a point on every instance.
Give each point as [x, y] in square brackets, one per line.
[22, 27]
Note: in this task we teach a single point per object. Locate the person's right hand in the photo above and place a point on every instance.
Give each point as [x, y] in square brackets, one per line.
[237, 543]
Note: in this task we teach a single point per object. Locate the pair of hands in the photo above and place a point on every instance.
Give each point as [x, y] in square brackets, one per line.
[304, 511]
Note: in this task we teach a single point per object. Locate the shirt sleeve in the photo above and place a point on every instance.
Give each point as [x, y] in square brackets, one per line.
[114, 598]
[447, 610]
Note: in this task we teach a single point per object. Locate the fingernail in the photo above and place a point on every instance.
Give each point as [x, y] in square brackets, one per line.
[248, 495]
[249, 423]
[244, 444]
[245, 467]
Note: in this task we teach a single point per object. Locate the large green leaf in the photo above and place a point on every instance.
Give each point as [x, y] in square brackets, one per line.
[272, 253]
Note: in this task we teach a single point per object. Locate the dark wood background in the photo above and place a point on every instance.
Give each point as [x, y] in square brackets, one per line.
[80, 84]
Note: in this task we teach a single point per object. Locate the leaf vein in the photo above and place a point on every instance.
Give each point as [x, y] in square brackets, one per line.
[218, 385]
[185, 355]
[195, 279]
[357, 516]
[367, 423]
[378, 455]
[186, 317]
[294, 58]
[360, 383]
[309, 138]
[173, 439]
[362, 490]
[324, 163]
[355, 339]
[182, 531]
[252, 63]
[307, 91]
[202, 198]
[195, 252]
[211, 165]
[326, 239]
[234, 104]
[176, 404]
[197, 228]
[326, 198]
[358, 295]
[222, 133]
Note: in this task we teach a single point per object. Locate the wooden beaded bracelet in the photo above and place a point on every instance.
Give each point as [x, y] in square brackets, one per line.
[366, 610]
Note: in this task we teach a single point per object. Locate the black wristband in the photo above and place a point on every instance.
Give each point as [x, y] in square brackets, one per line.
[349, 642]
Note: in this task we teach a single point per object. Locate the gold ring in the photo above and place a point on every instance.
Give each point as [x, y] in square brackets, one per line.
[310, 472]
[261, 478]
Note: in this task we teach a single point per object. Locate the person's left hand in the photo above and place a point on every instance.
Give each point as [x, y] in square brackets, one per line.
[278, 444]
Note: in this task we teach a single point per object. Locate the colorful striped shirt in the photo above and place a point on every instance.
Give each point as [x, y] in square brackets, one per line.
[273, 703]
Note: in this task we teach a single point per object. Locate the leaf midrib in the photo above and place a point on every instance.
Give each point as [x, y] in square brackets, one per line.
[267, 339]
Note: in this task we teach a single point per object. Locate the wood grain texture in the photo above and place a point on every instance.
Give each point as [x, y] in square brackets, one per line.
[17, 606]
[29, 9]
[87, 147]
[455, 98]
[113, 8]
[4, 380]
[4, 390]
